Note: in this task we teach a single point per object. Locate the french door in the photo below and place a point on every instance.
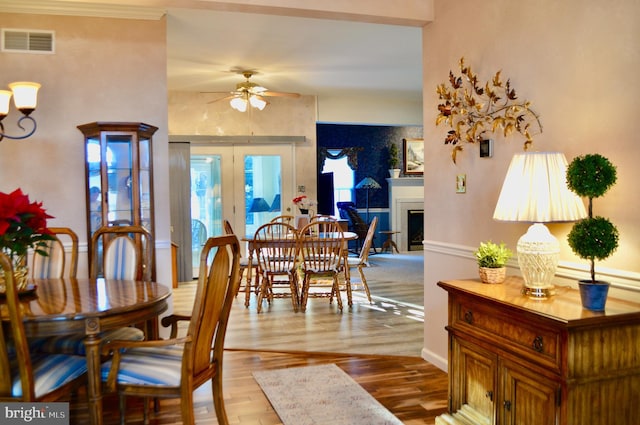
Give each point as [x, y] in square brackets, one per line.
[245, 184]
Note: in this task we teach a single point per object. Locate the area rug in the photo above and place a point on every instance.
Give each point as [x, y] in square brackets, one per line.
[322, 394]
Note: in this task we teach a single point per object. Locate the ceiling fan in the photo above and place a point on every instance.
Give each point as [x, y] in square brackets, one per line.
[250, 93]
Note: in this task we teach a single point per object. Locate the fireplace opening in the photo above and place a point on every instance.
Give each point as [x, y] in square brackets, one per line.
[415, 229]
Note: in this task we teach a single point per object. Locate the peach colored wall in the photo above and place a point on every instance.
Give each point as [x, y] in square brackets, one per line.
[102, 70]
[575, 61]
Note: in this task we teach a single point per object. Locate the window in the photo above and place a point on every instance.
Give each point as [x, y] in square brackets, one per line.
[343, 178]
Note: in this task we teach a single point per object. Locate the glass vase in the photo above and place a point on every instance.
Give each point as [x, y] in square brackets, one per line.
[20, 274]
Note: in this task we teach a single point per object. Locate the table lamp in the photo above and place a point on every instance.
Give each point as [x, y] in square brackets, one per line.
[368, 183]
[535, 191]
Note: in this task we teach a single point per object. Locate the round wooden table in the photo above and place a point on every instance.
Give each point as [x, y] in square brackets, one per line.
[90, 306]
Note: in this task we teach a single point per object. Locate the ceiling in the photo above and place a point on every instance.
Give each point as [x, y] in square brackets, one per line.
[304, 55]
[327, 58]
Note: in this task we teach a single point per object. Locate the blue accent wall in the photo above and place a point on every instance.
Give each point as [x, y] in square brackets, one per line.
[372, 160]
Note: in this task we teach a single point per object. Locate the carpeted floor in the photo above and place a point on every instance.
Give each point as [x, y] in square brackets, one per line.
[321, 395]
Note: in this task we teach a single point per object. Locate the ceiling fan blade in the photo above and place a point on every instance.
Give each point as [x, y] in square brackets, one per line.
[222, 98]
[277, 93]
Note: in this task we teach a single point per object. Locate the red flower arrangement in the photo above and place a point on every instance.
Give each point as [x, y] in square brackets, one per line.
[23, 225]
[303, 202]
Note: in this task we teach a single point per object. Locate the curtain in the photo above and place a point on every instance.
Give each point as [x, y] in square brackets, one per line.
[350, 153]
[180, 200]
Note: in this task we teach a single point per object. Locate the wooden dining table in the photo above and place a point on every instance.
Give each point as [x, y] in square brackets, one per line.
[347, 236]
[90, 306]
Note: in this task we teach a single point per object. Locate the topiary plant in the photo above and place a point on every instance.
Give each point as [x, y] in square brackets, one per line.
[393, 156]
[593, 237]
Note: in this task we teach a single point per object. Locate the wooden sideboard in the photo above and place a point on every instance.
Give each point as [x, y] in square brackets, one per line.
[514, 360]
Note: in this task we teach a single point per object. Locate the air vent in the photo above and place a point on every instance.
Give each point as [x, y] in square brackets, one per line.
[27, 41]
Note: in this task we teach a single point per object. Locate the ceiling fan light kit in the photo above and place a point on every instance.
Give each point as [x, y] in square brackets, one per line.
[249, 93]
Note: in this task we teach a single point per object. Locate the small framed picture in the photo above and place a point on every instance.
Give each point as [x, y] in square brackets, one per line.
[413, 158]
[461, 183]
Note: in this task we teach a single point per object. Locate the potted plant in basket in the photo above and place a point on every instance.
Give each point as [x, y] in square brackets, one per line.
[394, 171]
[23, 226]
[492, 259]
[593, 237]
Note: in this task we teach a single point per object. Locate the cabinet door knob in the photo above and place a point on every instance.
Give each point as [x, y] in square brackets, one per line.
[489, 395]
[468, 317]
[538, 344]
[507, 405]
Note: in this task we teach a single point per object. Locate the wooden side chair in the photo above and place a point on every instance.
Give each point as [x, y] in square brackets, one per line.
[244, 269]
[362, 260]
[288, 219]
[321, 249]
[27, 377]
[174, 368]
[122, 252]
[276, 248]
[52, 266]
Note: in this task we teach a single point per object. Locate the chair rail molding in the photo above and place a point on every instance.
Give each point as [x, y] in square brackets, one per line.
[569, 272]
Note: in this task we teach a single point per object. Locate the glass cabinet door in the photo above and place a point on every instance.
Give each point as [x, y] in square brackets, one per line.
[119, 191]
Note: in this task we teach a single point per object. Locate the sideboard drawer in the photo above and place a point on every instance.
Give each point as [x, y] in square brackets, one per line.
[511, 332]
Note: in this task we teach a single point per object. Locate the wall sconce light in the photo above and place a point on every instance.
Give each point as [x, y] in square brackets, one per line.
[25, 97]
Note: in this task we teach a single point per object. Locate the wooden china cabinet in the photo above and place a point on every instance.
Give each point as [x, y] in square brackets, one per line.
[119, 175]
[519, 361]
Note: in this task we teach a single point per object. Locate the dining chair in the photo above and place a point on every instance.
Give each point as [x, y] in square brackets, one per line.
[362, 260]
[122, 258]
[28, 377]
[122, 252]
[288, 219]
[244, 268]
[52, 265]
[175, 367]
[321, 248]
[276, 249]
[198, 235]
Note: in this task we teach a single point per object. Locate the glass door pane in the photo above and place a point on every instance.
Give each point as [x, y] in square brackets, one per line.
[263, 189]
[206, 202]
[225, 181]
[266, 181]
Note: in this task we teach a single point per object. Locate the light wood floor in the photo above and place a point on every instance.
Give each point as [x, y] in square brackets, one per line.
[377, 344]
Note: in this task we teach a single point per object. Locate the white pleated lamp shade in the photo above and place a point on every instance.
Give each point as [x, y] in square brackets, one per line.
[535, 190]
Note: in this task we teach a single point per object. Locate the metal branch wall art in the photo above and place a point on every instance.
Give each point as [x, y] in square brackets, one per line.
[472, 109]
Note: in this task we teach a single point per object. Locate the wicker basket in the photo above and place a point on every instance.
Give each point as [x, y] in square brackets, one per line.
[492, 275]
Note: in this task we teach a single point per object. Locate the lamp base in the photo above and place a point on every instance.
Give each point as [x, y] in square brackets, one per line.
[537, 292]
[538, 254]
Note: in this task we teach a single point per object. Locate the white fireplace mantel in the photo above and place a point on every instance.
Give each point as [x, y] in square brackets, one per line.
[405, 193]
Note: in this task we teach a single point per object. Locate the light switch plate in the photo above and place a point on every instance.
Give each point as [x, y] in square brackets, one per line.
[486, 148]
